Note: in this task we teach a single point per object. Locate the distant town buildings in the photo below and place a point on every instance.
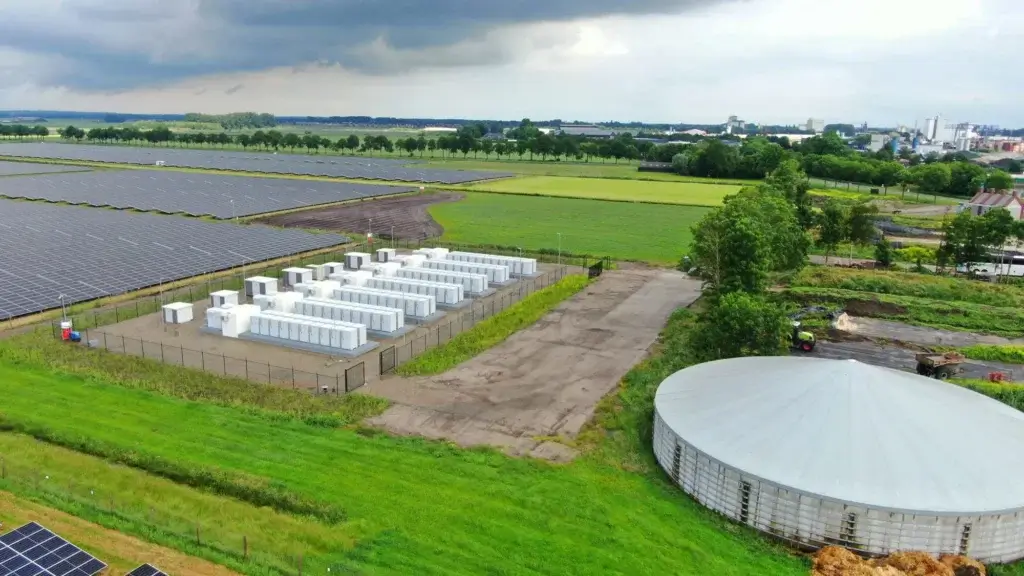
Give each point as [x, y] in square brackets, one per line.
[734, 124]
[815, 125]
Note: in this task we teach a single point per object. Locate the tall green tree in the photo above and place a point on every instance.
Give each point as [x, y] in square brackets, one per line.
[832, 227]
[999, 180]
[932, 178]
[739, 324]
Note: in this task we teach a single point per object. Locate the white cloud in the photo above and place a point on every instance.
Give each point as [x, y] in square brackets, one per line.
[778, 61]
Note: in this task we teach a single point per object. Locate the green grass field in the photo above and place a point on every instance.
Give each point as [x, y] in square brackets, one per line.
[644, 232]
[411, 506]
[691, 193]
[593, 169]
[892, 196]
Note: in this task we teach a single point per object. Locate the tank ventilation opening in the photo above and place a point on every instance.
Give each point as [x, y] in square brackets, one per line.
[848, 530]
[744, 501]
[965, 538]
[677, 456]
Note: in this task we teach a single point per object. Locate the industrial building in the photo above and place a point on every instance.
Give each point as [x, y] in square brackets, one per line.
[820, 452]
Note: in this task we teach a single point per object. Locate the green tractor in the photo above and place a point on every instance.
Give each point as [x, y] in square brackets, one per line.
[802, 339]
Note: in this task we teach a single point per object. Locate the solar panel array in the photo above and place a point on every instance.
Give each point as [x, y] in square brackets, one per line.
[85, 253]
[147, 570]
[12, 168]
[182, 192]
[341, 167]
[35, 551]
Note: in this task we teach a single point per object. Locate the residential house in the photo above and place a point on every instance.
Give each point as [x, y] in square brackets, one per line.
[986, 201]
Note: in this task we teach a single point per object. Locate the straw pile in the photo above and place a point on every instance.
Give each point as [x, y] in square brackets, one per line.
[837, 561]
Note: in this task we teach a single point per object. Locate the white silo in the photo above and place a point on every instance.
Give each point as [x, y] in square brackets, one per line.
[820, 452]
[929, 128]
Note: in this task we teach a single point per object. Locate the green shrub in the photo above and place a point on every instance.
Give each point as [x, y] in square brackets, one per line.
[493, 330]
[995, 353]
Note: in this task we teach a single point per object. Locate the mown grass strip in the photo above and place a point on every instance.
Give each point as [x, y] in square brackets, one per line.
[162, 512]
[38, 350]
[246, 488]
[493, 330]
[1009, 354]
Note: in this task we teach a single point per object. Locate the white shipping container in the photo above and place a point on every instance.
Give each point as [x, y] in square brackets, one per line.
[319, 271]
[348, 336]
[293, 276]
[264, 301]
[494, 272]
[377, 318]
[260, 285]
[177, 312]
[412, 304]
[385, 254]
[334, 268]
[222, 297]
[470, 282]
[442, 293]
[214, 317]
[516, 265]
[275, 328]
[355, 260]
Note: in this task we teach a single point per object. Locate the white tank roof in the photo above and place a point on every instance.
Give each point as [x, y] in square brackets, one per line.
[852, 432]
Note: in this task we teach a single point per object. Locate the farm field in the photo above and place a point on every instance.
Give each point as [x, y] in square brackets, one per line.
[895, 197]
[499, 515]
[643, 232]
[691, 193]
[593, 169]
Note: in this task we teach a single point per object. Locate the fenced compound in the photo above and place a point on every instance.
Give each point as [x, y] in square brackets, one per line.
[422, 340]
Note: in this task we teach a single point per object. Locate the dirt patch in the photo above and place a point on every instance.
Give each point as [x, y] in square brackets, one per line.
[407, 215]
[546, 380]
[873, 308]
[121, 552]
[836, 561]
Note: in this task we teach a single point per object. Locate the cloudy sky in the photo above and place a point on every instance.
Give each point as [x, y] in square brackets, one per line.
[770, 61]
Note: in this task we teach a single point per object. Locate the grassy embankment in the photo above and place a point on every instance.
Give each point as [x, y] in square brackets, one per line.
[643, 232]
[381, 498]
[493, 330]
[926, 300]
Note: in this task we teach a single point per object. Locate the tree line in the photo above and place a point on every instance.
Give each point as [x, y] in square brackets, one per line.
[234, 120]
[20, 131]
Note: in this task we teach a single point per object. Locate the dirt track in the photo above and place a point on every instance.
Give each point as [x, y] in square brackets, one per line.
[547, 379]
[891, 356]
[876, 328]
[407, 214]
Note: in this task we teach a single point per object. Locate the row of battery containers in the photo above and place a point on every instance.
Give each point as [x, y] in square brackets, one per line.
[472, 283]
[414, 305]
[442, 293]
[377, 318]
[518, 266]
[494, 273]
[318, 331]
[432, 253]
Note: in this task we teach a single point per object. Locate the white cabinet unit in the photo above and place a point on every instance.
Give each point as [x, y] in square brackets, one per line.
[385, 254]
[494, 272]
[442, 293]
[177, 312]
[518, 266]
[260, 285]
[221, 297]
[415, 305]
[293, 276]
[473, 283]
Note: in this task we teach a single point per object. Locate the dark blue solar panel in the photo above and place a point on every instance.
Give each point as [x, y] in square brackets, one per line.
[147, 570]
[32, 550]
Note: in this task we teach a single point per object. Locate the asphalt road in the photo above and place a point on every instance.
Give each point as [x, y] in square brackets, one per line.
[903, 359]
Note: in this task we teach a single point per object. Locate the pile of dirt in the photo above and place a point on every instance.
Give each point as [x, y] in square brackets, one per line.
[837, 561]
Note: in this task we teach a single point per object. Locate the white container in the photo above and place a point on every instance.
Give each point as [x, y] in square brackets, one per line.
[319, 271]
[415, 305]
[303, 288]
[518, 266]
[275, 327]
[411, 261]
[222, 297]
[355, 260]
[294, 276]
[238, 320]
[214, 317]
[264, 301]
[377, 318]
[473, 283]
[334, 268]
[329, 333]
[293, 331]
[385, 254]
[494, 272]
[442, 293]
[260, 285]
[177, 312]
[286, 301]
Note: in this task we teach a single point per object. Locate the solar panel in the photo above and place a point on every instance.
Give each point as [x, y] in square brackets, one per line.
[84, 253]
[12, 168]
[187, 193]
[342, 167]
[147, 570]
[35, 551]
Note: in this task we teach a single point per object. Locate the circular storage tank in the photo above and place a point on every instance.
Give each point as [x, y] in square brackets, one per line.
[822, 452]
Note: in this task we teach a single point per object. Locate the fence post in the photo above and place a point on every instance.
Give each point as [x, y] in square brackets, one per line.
[293, 377]
[197, 534]
[137, 313]
[337, 383]
[124, 347]
[182, 349]
[268, 373]
[245, 548]
[3, 468]
[117, 317]
[224, 364]
[202, 354]
[162, 359]
[246, 368]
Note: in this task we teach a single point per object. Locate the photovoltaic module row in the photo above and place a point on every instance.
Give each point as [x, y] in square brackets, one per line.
[263, 162]
[32, 550]
[14, 168]
[187, 193]
[84, 253]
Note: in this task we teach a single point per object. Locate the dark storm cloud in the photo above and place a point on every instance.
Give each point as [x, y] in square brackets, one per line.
[118, 44]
